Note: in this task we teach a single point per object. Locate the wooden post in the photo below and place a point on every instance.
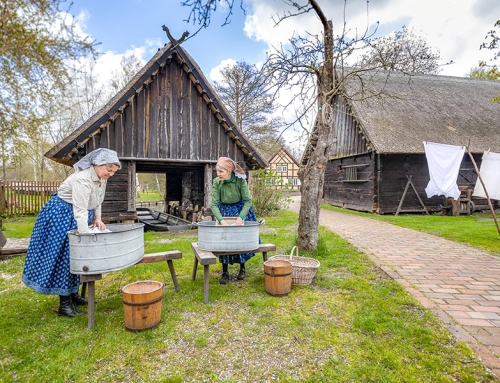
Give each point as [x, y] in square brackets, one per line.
[484, 188]
[207, 181]
[455, 204]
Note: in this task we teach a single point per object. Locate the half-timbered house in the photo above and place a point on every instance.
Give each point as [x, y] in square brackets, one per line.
[287, 167]
[379, 149]
[167, 120]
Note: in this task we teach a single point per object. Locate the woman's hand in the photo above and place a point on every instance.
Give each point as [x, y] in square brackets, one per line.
[224, 223]
[99, 224]
[239, 222]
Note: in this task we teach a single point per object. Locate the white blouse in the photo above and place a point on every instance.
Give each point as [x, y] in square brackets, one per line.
[85, 191]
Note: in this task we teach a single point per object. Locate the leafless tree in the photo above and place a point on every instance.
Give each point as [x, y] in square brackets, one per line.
[493, 41]
[245, 93]
[403, 51]
[317, 70]
[130, 65]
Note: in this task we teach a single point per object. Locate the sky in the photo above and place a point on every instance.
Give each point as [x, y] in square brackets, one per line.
[455, 28]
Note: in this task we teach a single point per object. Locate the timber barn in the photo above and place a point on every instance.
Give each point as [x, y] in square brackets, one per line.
[379, 140]
[167, 120]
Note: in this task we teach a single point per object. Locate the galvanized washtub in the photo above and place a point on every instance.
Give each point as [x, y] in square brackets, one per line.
[213, 237]
[97, 253]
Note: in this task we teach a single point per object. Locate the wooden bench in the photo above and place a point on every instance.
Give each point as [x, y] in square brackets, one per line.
[207, 258]
[10, 252]
[88, 280]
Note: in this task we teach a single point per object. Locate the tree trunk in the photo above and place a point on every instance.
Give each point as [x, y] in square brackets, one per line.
[312, 174]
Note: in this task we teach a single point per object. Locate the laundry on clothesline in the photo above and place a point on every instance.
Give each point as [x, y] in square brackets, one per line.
[490, 174]
[444, 164]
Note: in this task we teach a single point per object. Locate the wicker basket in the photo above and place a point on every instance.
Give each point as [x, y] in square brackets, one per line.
[304, 268]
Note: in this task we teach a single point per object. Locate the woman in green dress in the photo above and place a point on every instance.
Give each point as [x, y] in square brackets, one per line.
[231, 198]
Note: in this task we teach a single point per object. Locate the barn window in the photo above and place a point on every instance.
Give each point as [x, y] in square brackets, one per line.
[295, 182]
[351, 173]
[281, 168]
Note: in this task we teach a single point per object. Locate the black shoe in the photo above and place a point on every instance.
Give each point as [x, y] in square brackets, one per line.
[241, 275]
[224, 278]
[66, 307]
[78, 300]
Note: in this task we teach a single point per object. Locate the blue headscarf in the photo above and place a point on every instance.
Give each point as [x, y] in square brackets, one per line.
[101, 156]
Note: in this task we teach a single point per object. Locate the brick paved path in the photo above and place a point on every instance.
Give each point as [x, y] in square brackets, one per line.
[460, 284]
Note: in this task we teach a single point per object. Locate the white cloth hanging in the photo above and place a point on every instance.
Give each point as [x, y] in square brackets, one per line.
[490, 174]
[444, 164]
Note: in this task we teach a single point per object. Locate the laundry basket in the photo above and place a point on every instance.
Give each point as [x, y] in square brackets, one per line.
[304, 269]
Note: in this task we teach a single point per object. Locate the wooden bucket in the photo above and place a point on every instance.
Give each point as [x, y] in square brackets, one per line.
[142, 304]
[278, 277]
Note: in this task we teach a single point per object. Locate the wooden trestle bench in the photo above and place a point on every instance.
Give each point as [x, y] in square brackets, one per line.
[207, 258]
[88, 280]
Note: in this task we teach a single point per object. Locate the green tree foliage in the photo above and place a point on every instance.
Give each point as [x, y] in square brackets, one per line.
[489, 72]
[403, 51]
[485, 73]
[36, 40]
[268, 197]
[245, 93]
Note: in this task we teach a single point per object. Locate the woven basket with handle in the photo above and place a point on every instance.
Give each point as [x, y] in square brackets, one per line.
[304, 268]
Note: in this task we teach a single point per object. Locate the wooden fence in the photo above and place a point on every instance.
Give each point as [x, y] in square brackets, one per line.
[25, 197]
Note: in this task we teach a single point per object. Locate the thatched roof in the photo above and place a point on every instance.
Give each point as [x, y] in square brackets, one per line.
[418, 108]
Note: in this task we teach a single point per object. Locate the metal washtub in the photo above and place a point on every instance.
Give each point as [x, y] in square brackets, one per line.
[97, 253]
[244, 238]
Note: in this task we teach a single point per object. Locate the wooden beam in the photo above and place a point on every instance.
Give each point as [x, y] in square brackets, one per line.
[484, 188]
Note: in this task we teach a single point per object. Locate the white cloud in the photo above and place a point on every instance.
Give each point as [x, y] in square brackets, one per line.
[109, 62]
[215, 74]
[454, 27]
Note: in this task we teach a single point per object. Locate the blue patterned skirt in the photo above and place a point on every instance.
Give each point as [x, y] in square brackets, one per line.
[46, 268]
[233, 210]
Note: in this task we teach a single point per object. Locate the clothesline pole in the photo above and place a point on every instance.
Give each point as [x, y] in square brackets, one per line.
[484, 188]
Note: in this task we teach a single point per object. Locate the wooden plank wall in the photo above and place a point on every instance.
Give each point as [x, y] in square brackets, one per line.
[347, 194]
[394, 168]
[168, 119]
[115, 207]
[393, 171]
[349, 140]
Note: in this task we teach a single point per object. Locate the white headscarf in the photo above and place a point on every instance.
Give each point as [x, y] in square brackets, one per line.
[101, 156]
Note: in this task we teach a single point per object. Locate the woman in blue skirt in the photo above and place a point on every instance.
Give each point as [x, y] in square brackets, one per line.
[231, 198]
[74, 206]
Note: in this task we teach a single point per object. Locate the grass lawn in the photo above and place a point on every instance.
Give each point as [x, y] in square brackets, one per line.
[353, 324]
[477, 230]
[149, 197]
[18, 227]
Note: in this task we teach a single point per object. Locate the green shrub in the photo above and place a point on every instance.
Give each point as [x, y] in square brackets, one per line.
[267, 190]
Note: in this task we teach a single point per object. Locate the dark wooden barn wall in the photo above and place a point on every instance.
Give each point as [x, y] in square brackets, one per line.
[392, 181]
[116, 205]
[355, 195]
[386, 180]
[394, 169]
[350, 141]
